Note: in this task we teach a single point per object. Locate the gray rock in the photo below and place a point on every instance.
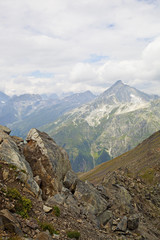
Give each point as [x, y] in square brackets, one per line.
[94, 203]
[133, 222]
[122, 225]
[47, 209]
[56, 199]
[70, 180]
[9, 153]
[72, 204]
[104, 217]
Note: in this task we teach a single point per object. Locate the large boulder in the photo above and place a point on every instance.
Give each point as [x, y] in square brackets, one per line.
[9, 153]
[94, 204]
[133, 222]
[47, 160]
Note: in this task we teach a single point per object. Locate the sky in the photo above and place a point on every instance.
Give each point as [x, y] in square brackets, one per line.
[60, 46]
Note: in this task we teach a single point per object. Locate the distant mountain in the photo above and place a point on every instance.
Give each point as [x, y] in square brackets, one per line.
[123, 93]
[52, 96]
[110, 125]
[46, 111]
[3, 97]
[18, 107]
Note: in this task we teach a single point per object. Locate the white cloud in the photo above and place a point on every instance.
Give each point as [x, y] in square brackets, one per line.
[59, 36]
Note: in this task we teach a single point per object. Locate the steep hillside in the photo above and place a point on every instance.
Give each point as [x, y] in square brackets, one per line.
[115, 122]
[141, 162]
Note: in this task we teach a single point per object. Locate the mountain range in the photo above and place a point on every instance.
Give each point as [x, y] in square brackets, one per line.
[23, 112]
[113, 123]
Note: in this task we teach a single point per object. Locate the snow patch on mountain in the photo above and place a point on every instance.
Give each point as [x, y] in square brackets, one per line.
[136, 99]
[97, 114]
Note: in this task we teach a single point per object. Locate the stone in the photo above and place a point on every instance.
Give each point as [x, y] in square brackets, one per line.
[70, 180]
[105, 217]
[94, 203]
[133, 222]
[56, 199]
[122, 225]
[17, 140]
[5, 174]
[47, 209]
[9, 223]
[32, 224]
[43, 236]
[72, 204]
[49, 161]
[5, 129]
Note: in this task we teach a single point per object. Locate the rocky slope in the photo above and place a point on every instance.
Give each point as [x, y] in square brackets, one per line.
[133, 178]
[42, 198]
[115, 122]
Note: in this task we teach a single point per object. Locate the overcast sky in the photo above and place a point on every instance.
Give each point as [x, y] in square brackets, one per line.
[77, 45]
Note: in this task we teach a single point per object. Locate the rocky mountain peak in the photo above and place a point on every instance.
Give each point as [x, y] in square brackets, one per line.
[123, 93]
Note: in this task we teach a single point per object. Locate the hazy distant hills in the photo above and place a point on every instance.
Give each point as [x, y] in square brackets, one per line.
[26, 111]
[110, 125]
[3, 98]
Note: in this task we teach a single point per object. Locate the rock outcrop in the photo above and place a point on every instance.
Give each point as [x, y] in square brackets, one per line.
[10, 153]
[48, 161]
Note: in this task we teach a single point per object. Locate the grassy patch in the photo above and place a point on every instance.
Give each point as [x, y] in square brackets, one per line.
[23, 205]
[73, 234]
[47, 226]
[14, 238]
[24, 171]
[13, 166]
[56, 211]
[148, 175]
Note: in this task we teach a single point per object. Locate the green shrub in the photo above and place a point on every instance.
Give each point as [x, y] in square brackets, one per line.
[23, 205]
[0, 166]
[73, 234]
[14, 238]
[13, 193]
[56, 211]
[47, 226]
[13, 166]
[3, 190]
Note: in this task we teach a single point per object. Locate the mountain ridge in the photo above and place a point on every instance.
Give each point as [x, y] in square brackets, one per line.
[100, 130]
